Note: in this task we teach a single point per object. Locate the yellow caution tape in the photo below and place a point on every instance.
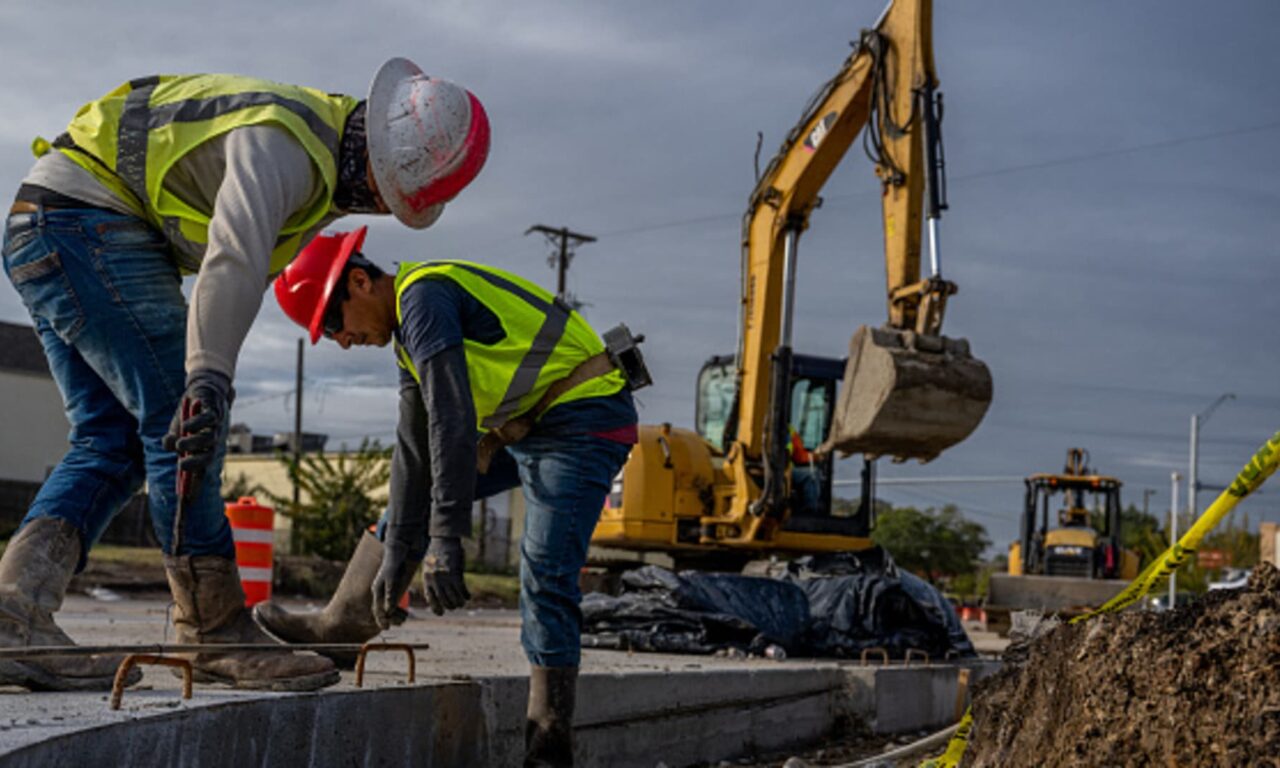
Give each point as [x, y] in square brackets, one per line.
[1260, 467]
[956, 747]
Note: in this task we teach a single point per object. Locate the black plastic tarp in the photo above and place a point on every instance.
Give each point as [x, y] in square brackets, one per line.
[695, 612]
[828, 605]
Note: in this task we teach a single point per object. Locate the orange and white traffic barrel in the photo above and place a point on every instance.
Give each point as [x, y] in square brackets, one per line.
[253, 529]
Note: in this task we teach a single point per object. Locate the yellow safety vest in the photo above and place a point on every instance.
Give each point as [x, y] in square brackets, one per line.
[545, 340]
[131, 138]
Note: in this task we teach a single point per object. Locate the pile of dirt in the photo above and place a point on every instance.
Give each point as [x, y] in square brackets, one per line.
[1195, 686]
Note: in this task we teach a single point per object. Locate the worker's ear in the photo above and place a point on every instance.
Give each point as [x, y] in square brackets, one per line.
[359, 280]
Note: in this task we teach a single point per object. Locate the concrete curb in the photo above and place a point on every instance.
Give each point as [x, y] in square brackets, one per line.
[624, 719]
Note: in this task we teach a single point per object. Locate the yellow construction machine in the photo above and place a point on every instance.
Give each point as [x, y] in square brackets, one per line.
[1075, 565]
[756, 475]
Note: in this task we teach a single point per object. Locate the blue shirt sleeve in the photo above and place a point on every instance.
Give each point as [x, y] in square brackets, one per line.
[438, 313]
[430, 318]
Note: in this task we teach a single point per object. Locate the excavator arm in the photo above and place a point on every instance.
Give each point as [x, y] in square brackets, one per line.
[907, 391]
[904, 382]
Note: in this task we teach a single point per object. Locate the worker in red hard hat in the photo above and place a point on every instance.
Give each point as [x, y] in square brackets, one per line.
[225, 178]
[501, 385]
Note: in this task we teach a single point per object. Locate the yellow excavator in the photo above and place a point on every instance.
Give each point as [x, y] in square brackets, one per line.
[1076, 564]
[756, 475]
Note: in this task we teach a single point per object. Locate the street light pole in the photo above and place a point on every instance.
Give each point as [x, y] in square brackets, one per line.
[1193, 468]
[1173, 536]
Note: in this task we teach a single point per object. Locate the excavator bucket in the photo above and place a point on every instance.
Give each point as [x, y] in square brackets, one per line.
[907, 396]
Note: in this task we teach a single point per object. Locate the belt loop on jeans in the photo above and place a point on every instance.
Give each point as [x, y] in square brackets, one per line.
[40, 215]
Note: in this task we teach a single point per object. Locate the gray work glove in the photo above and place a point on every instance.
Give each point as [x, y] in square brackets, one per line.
[399, 562]
[442, 575]
[207, 400]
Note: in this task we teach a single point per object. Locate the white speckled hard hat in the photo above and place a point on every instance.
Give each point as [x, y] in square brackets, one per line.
[428, 138]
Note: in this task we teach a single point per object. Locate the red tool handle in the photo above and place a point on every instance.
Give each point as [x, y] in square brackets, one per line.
[186, 478]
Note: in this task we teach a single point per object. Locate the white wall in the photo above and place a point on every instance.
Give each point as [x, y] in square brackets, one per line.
[505, 511]
[33, 426]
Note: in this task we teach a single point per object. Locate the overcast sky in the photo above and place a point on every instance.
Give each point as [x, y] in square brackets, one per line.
[1112, 294]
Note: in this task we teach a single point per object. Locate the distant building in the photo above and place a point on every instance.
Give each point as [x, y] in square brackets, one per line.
[33, 437]
[241, 439]
[312, 442]
[33, 424]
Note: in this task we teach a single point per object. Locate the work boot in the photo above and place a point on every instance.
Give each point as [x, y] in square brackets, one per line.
[36, 568]
[548, 731]
[209, 608]
[348, 618]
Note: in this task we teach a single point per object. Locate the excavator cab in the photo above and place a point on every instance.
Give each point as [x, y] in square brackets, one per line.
[814, 385]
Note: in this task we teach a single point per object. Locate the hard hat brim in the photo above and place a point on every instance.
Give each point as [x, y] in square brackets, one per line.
[381, 92]
[350, 244]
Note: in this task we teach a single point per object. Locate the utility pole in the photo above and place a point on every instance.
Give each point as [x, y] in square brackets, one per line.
[1173, 536]
[1193, 468]
[560, 260]
[297, 428]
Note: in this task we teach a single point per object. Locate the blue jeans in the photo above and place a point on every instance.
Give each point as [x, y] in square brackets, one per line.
[565, 481]
[107, 304]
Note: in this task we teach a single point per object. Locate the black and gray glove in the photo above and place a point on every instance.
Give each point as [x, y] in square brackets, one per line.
[400, 558]
[442, 575]
[207, 404]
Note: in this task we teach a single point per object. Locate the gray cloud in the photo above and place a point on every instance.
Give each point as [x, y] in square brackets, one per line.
[1111, 298]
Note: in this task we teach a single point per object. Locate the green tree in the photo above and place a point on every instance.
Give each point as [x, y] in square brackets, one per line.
[1139, 532]
[343, 498]
[933, 543]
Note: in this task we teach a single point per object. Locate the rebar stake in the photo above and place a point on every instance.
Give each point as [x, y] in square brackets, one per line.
[884, 655]
[143, 659]
[915, 653]
[370, 646]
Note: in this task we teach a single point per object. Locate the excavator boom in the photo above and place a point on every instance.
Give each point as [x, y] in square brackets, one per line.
[908, 391]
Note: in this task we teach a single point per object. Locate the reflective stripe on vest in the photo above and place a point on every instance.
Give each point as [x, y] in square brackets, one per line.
[133, 136]
[545, 340]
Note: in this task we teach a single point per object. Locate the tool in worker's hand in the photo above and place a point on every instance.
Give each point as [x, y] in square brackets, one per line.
[188, 479]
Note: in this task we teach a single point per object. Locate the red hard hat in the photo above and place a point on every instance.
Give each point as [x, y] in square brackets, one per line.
[304, 287]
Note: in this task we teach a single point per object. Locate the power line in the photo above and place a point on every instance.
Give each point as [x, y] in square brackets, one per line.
[964, 509]
[1072, 159]
[937, 480]
[978, 175]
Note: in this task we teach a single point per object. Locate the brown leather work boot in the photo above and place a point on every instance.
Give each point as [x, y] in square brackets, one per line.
[348, 618]
[548, 732]
[37, 566]
[209, 608]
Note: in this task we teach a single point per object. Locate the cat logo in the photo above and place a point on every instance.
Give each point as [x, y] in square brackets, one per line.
[819, 132]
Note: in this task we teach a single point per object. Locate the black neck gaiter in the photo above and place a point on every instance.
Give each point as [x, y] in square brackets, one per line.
[354, 194]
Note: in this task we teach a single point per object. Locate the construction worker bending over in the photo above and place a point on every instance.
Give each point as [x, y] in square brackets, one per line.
[501, 384]
[223, 177]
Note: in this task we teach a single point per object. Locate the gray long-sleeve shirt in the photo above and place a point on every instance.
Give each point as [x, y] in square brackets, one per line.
[250, 181]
